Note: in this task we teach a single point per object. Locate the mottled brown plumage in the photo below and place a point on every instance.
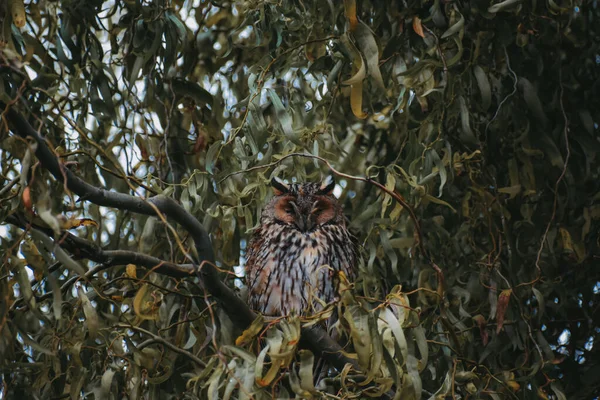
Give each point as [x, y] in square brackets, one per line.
[295, 254]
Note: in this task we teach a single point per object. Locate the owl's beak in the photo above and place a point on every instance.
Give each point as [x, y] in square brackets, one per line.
[304, 223]
[309, 223]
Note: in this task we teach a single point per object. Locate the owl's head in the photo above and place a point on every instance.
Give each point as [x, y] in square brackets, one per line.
[304, 206]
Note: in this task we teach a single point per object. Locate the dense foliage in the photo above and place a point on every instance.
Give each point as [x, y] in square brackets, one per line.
[464, 139]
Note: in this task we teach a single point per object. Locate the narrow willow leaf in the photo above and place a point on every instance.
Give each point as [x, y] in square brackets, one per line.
[365, 40]
[376, 348]
[258, 368]
[457, 27]
[350, 12]
[356, 101]
[417, 26]
[177, 24]
[139, 35]
[232, 382]
[557, 391]
[26, 164]
[34, 344]
[395, 371]
[91, 317]
[441, 170]
[333, 75]
[389, 251]
[502, 5]
[445, 389]
[390, 185]
[503, 300]
[78, 379]
[134, 381]
[105, 384]
[214, 382]
[467, 134]
[389, 317]
[192, 90]
[167, 370]
[211, 157]
[56, 296]
[485, 89]
[250, 333]
[17, 10]
[358, 322]
[541, 303]
[302, 383]
[358, 76]
[143, 304]
[421, 340]
[245, 355]
[415, 378]
[18, 266]
[432, 199]
[532, 100]
[49, 218]
[459, 52]
[283, 116]
[135, 69]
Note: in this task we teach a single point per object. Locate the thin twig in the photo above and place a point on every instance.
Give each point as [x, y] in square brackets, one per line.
[164, 342]
[10, 184]
[507, 96]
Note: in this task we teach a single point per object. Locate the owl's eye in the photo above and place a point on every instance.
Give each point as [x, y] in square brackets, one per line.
[291, 208]
[318, 207]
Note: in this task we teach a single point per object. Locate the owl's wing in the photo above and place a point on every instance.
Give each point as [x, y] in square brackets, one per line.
[352, 269]
[252, 267]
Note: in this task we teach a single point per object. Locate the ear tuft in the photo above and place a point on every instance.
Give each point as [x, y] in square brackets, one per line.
[327, 186]
[279, 186]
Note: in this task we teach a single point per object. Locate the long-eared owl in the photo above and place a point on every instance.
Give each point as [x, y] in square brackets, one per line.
[298, 249]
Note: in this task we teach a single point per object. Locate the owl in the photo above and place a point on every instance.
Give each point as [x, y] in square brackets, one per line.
[296, 253]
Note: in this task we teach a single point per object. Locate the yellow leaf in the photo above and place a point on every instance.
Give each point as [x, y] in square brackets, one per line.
[17, 9]
[33, 256]
[216, 18]
[565, 237]
[395, 214]
[390, 185]
[433, 199]
[75, 223]
[541, 394]
[356, 101]
[350, 11]
[250, 333]
[512, 191]
[145, 305]
[131, 271]
[315, 50]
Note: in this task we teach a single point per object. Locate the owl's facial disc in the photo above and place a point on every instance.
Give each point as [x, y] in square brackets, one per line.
[304, 206]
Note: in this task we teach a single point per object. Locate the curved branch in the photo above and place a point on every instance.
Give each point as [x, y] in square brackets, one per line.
[106, 198]
[83, 248]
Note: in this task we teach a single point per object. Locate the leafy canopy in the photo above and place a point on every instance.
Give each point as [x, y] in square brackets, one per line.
[463, 136]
